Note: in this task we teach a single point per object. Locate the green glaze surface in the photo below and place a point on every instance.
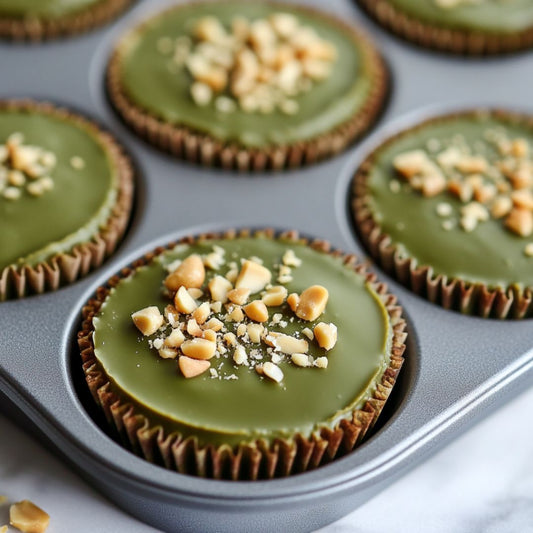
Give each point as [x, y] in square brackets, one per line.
[151, 85]
[36, 228]
[491, 254]
[230, 411]
[47, 9]
[492, 16]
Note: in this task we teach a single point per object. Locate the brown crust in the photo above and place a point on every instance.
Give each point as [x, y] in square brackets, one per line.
[35, 29]
[474, 43]
[450, 293]
[197, 147]
[252, 460]
[17, 281]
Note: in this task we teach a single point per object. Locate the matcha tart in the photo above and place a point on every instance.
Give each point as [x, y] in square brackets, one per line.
[36, 20]
[247, 85]
[65, 197]
[447, 208]
[243, 355]
[476, 27]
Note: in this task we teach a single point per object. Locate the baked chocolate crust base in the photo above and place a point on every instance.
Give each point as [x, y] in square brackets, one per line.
[450, 293]
[36, 29]
[200, 148]
[17, 281]
[250, 460]
[441, 38]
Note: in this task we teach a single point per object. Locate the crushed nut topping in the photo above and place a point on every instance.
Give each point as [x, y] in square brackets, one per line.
[450, 4]
[217, 322]
[257, 65]
[27, 517]
[24, 167]
[492, 178]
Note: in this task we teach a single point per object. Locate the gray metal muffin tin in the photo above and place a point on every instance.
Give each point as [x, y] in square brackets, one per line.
[457, 368]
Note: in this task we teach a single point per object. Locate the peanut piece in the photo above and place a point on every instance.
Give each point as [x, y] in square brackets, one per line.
[256, 311]
[275, 296]
[254, 332]
[321, 362]
[239, 296]
[300, 359]
[167, 353]
[199, 348]
[190, 274]
[240, 356]
[27, 517]
[148, 320]
[194, 329]
[312, 303]
[285, 343]
[214, 324]
[210, 335]
[236, 314]
[175, 339]
[502, 206]
[191, 368]
[253, 276]
[219, 288]
[184, 302]
[293, 299]
[272, 371]
[326, 335]
[201, 314]
[520, 221]
[522, 198]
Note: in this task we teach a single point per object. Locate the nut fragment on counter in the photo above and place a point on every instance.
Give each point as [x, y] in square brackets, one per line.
[218, 322]
[258, 65]
[28, 518]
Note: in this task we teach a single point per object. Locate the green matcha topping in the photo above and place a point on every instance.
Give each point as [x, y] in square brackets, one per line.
[64, 176]
[45, 9]
[259, 65]
[228, 404]
[491, 176]
[147, 74]
[216, 316]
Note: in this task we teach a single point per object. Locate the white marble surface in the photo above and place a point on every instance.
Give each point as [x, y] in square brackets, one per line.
[481, 483]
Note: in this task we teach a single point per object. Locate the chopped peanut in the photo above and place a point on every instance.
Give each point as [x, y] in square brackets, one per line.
[191, 368]
[219, 288]
[175, 339]
[190, 274]
[239, 355]
[255, 331]
[168, 353]
[286, 344]
[253, 276]
[326, 335]
[520, 221]
[275, 296]
[239, 296]
[194, 329]
[27, 517]
[293, 300]
[300, 359]
[272, 371]
[148, 320]
[201, 313]
[183, 301]
[256, 311]
[236, 314]
[199, 348]
[312, 303]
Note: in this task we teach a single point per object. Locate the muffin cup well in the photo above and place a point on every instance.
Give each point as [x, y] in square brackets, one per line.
[451, 40]
[39, 29]
[17, 281]
[451, 293]
[200, 148]
[254, 460]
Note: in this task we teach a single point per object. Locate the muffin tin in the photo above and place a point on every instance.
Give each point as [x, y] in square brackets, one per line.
[457, 368]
